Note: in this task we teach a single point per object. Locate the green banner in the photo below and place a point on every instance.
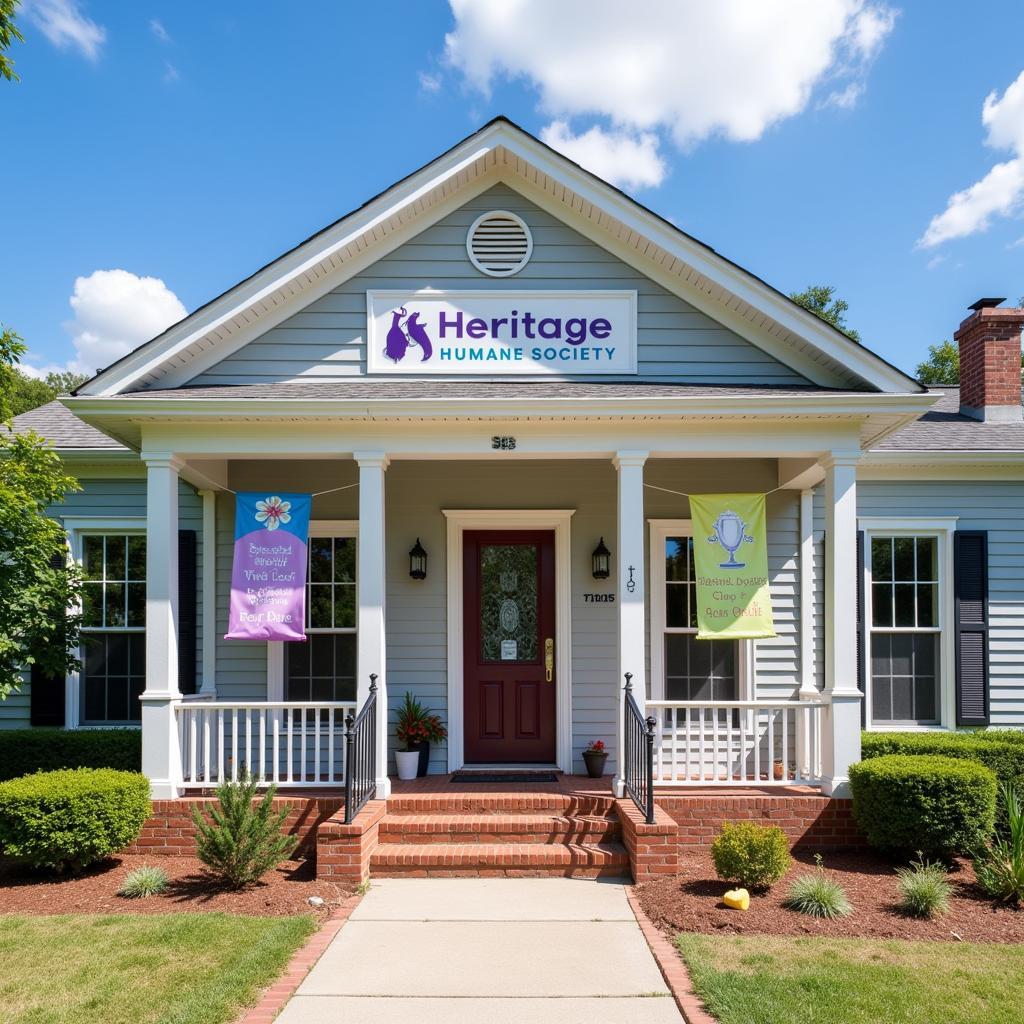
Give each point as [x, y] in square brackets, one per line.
[730, 551]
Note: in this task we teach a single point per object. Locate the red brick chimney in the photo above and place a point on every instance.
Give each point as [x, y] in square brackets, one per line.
[990, 362]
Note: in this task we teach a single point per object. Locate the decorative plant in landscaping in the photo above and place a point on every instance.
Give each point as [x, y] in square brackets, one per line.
[417, 725]
[244, 840]
[143, 882]
[818, 894]
[999, 865]
[753, 855]
[67, 820]
[594, 758]
[924, 889]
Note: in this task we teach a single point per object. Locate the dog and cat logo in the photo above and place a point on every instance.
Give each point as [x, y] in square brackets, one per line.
[407, 332]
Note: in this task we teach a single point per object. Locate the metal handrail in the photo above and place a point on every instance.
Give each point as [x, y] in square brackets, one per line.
[638, 754]
[361, 755]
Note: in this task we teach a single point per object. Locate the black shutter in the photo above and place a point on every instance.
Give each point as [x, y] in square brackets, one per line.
[861, 627]
[46, 696]
[970, 598]
[187, 611]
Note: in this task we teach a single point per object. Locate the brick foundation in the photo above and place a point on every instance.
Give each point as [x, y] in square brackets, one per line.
[653, 849]
[343, 851]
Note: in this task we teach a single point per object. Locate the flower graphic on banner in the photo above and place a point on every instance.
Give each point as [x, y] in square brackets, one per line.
[272, 512]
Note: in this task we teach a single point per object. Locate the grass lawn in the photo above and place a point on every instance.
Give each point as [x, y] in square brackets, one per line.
[768, 979]
[140, 969]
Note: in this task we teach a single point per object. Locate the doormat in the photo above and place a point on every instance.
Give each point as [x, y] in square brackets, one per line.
[516, 777]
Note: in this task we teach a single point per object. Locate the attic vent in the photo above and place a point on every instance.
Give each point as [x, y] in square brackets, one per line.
[499, 243]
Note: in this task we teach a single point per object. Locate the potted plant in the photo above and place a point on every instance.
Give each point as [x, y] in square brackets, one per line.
[417, 728]
[594, 757]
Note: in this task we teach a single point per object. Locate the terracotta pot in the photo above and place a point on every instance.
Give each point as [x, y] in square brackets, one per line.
[777, 773]
[594, 760]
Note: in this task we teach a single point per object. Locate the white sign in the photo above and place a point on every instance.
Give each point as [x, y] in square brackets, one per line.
[509, 650]
[518, 333]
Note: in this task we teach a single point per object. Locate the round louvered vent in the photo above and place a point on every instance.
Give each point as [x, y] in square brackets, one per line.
[499, 243]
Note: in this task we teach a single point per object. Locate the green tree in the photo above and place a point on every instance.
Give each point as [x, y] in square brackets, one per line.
[942, 365]
[64, 382]
[18, 391]
[12, 348]
[8, 34]
[820, 299]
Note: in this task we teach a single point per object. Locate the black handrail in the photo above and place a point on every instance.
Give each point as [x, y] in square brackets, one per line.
[638, 754]
[361, 755]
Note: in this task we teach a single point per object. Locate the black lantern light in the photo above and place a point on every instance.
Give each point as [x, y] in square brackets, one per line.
[418, 562]
[601, 559]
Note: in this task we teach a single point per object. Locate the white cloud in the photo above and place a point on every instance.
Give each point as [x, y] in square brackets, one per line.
[620, 157]
[1000, 193]
[430, 83]
[63, 23]
[156, 26]
[844, 99]
[936, 261]
[688, 69]
[116, 311]
[171, 73]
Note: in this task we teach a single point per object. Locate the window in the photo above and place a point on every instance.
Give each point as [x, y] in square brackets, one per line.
[324, 667]
[908, 651]
[113, 651]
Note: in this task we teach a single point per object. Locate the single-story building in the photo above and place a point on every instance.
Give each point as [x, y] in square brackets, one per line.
[493, 377]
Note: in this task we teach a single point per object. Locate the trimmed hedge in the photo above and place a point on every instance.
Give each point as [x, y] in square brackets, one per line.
[23, 751]
[936, 805]
[69, 819]
[754, 855]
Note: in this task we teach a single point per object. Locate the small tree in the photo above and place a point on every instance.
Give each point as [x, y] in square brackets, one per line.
[942, 365]
[820, 300]
[8, 34]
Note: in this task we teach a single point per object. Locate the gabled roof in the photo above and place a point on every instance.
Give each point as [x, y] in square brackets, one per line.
[502, 152]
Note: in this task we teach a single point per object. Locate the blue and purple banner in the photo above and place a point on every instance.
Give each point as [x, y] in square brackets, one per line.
[268, 579]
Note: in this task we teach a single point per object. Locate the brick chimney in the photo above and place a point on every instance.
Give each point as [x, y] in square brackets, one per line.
[989, 342]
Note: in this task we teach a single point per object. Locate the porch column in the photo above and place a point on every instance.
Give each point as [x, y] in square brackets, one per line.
[208, 687]
[841, 740]
[161, 752]
[370, 581]
[630, 561]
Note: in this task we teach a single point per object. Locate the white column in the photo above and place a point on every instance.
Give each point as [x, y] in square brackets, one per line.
[208, 687]
[370, 588]
[161, 753]
[841, 740]
[629, 559]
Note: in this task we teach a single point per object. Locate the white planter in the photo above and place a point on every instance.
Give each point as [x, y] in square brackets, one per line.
[407, 761]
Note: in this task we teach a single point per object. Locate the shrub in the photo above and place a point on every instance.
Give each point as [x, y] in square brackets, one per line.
[999, 866]
[23, 751]
[244, 840]
[753, 855]
[818, 894]
[924, 890]
[938, 805]
[69, 819]
[143, 882]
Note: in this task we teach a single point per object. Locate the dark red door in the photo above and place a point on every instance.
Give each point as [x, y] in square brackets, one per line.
[509, 672]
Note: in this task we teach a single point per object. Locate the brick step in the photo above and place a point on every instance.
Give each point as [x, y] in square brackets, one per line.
[498, 828]
[469, 860]
[460, 802]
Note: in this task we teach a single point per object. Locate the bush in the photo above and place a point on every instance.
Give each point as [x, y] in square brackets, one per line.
[753, 855]
[23, 751]
[938, 805]
[143, 882]
[999, 866]
[818, 894]
[69, 819]
[924, 889]
[245, 840]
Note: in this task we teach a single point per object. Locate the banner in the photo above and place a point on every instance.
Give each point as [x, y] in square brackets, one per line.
[730, 553]
[268, 578]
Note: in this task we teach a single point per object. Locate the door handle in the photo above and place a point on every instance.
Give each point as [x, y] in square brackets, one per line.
[549, 658]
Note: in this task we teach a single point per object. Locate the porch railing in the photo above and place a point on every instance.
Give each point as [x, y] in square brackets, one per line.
[292, 743]
[638, 754]
[736, 743]
[361, 755]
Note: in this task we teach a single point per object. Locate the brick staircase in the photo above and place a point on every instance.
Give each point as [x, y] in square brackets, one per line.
[500, 834]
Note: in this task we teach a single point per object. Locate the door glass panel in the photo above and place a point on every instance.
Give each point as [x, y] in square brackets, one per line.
[508, 602]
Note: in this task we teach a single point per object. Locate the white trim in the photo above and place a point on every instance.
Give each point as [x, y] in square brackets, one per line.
[460, 520]
[487, 216]
[808, 683]
[208, 684]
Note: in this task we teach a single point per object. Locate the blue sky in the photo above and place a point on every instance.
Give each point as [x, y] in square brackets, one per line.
[194, 142]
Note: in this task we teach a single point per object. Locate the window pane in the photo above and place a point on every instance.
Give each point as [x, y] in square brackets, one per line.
[92, 604]
[321, 656]
[117, 698]
[136, 604]
[927, 559]
[881, 604]
[345, 667]
[509, 602]
[677, 558]
[92, 558]
[903, 559]
[699, 669]
[903, 677]
[113, 677]
[117, 654]
[902, 698]
[137, 558]
[113, 604]
[344, 606]
[116, 558]
[320, 606]
[881, 558]
[904, 604]
[320, 559]
[344, 560]
[927, 594]
[676, 604]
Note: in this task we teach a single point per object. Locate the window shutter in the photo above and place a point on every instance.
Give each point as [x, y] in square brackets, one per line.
[187, 611]
[46, 696]
[970, 598]
[861, 627]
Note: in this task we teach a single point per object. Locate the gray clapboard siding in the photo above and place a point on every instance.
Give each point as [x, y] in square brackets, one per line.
[327, 340]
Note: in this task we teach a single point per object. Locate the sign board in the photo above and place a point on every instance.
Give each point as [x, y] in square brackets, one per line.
[514, 333]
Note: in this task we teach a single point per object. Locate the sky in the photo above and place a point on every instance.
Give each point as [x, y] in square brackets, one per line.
[155, 152]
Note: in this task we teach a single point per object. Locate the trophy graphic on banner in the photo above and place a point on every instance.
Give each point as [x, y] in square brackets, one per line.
[730, 532]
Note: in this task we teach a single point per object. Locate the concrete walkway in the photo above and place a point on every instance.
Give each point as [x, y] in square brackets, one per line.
[501, 950]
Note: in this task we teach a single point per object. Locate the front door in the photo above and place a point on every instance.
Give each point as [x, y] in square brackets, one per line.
[509, 654]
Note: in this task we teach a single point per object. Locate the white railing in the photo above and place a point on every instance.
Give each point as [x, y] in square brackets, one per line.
[291, 743]
[737, 743]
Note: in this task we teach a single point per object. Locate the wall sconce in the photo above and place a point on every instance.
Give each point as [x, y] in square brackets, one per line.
[418, 562]
[601, 559]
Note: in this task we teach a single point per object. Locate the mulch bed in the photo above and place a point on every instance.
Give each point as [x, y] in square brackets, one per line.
[284, 891]
[691, 902]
